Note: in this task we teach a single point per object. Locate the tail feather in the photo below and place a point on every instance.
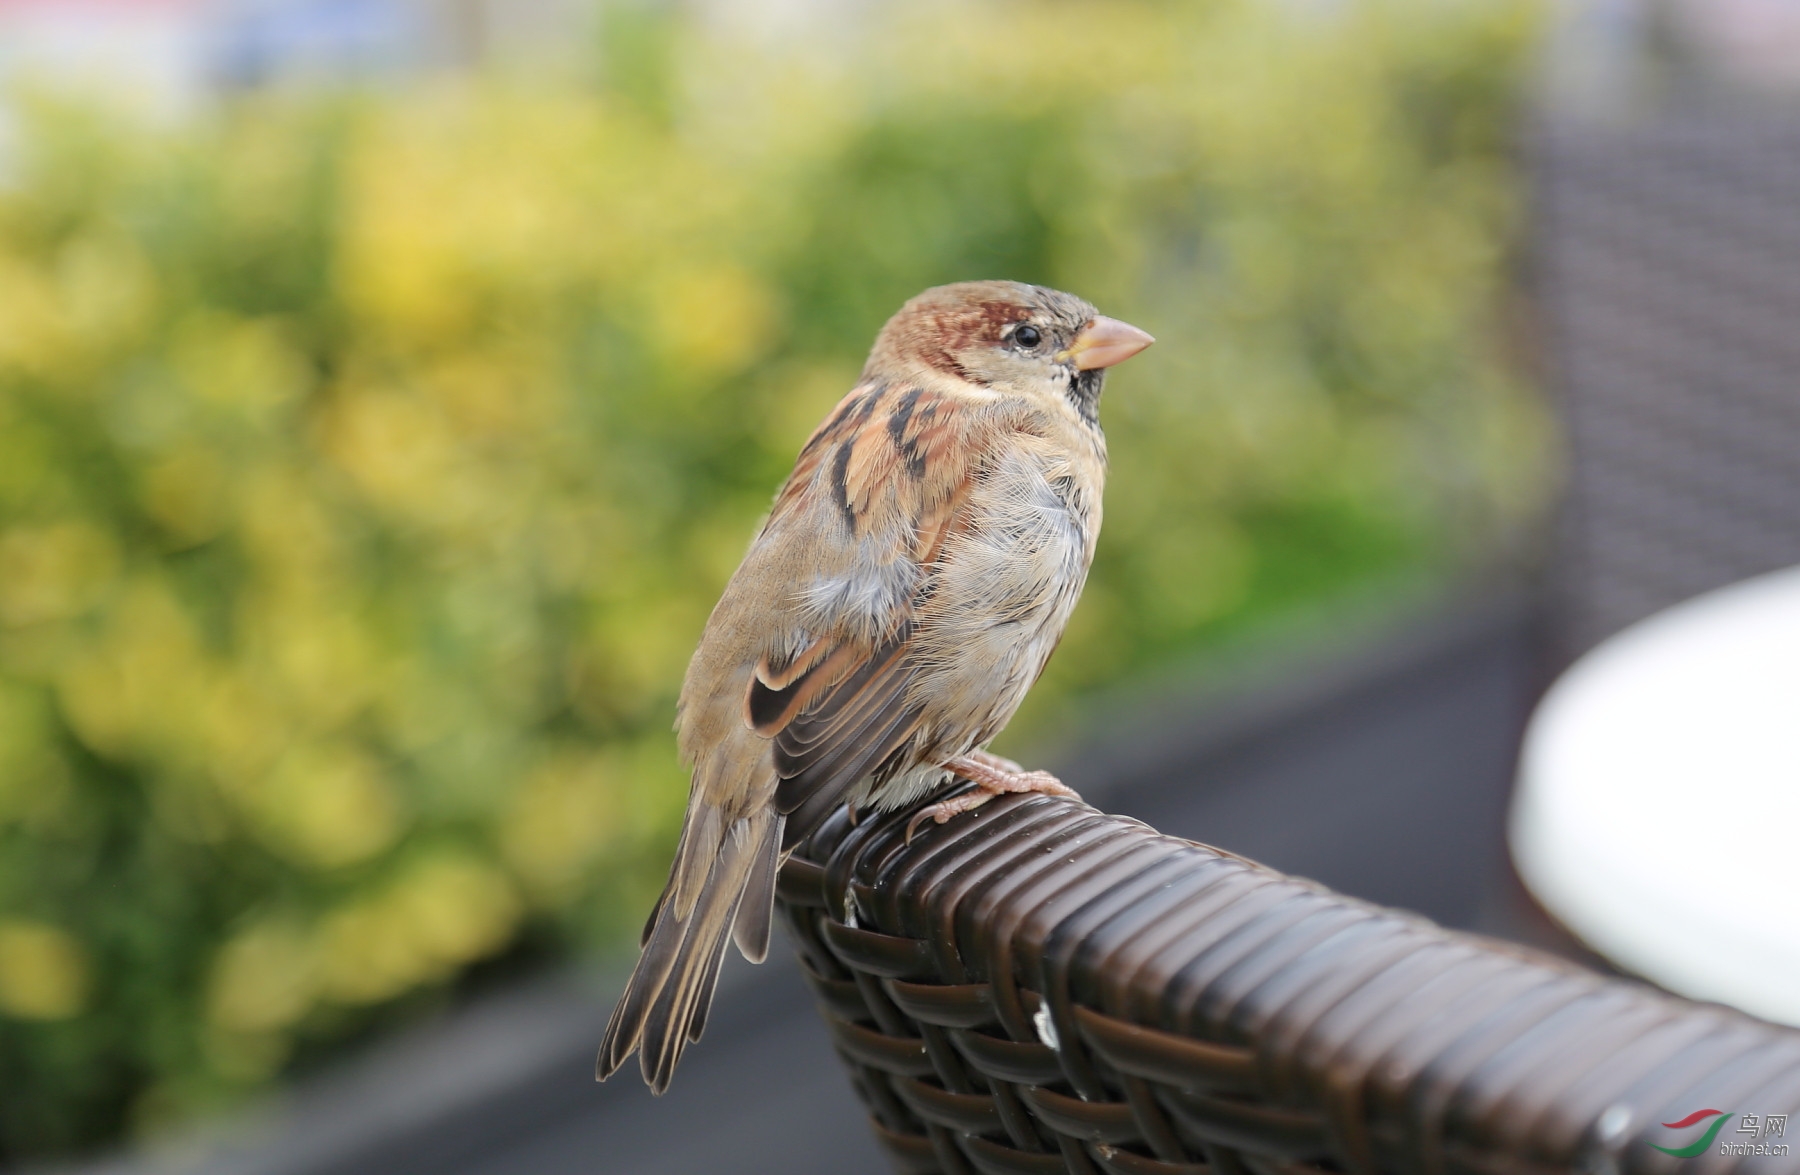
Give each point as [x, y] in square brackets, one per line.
[650, 922]
[751, 929]
[696, 857]
[680, 1012]
[666, 1000]
[704, 992]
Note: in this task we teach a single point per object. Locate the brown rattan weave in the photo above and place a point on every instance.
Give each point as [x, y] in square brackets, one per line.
[1038, 987]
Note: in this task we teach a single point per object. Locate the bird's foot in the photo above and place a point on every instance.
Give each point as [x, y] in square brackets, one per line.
[992, 776]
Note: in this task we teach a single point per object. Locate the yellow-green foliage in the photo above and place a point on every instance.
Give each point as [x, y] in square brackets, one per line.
[368, 467]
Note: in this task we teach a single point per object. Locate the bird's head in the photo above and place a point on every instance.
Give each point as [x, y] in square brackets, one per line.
[1007, 337]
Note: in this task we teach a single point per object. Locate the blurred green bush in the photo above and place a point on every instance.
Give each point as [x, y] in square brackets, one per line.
[369, 465]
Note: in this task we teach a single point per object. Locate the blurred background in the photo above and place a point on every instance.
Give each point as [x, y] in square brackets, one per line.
[388, 387]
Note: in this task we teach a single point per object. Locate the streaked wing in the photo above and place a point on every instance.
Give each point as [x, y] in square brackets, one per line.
[846, 733]
[888, 464]
[890, 460]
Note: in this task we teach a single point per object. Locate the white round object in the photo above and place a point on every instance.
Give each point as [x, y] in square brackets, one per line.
[1658, 807]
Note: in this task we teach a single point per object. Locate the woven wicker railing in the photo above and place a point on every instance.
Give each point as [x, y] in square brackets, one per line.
[1042, 988]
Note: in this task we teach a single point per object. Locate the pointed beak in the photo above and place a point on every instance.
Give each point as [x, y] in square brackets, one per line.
[1104, 342]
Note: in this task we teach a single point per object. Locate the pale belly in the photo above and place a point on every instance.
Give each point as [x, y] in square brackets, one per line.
[999, 609]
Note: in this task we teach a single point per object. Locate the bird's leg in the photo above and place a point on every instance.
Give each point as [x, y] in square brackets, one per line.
[992, 776]
[997, 762]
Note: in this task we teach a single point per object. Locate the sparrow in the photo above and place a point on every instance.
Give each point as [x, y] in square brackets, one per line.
[909, 585]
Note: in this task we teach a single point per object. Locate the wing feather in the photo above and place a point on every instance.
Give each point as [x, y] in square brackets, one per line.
[833, 743]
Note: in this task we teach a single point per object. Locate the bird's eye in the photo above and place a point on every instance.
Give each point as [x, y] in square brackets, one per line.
[1027, 336]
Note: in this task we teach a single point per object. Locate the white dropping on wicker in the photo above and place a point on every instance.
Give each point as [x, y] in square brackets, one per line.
[1046, 1027]
[1614, 1122]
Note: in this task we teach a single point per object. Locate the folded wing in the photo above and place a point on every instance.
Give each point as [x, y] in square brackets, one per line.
[801, 688]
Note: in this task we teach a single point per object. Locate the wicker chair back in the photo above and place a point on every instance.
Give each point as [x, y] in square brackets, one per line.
[1039, 987]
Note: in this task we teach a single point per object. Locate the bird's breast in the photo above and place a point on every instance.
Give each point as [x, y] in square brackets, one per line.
[1006, 585]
